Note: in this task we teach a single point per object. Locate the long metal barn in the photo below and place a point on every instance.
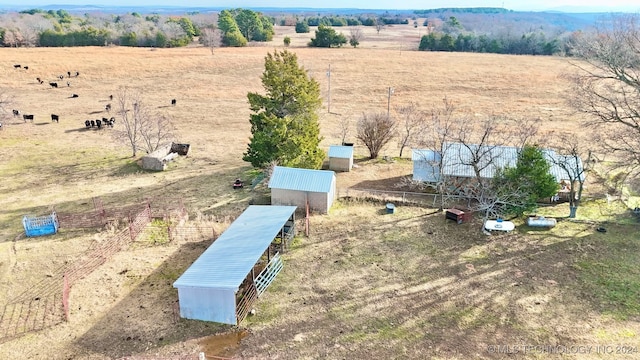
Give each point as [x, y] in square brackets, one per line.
[225, 281]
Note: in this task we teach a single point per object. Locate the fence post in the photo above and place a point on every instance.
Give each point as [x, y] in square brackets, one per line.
[131, 229]
[65, 296]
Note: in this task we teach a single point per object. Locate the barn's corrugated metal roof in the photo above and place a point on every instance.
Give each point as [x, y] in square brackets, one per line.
[301, 179]
[342, 152]
[458, 158]
[226, 263]
[425, 155]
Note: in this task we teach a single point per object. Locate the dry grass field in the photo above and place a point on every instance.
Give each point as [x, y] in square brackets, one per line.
[363, 285]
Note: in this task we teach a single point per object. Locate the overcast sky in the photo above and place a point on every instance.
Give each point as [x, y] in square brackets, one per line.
[604, 5]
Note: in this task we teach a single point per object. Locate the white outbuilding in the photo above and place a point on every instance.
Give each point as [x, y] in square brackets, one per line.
[340, 158]
[293, 186]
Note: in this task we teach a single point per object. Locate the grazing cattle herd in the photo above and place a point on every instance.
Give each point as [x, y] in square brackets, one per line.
[89, 124]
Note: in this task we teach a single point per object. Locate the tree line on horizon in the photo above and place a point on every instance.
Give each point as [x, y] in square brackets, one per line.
[237, 27]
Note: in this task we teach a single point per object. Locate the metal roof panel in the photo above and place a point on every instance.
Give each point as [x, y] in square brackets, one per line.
[342, 152]
[301, 179]
[226, 263]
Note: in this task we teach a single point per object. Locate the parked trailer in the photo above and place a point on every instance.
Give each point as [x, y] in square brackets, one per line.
[40, 225]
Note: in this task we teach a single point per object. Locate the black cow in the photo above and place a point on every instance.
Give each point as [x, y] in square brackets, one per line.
[39, 80]
[74, 95]
[77, 74]
[53, 84]
[93, 123]
[26, 117]
[98, 123]
[69, 73]
[108, 107]
[61, 77]
[55, 118]
[173, 102]
[17, 66]
[16, 112]
[87, 123]
[68, 84]
[26, 67]
[110, 97]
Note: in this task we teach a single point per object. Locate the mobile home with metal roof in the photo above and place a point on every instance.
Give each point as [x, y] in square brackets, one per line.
[225, 281]
[426, 165]
[293, 186]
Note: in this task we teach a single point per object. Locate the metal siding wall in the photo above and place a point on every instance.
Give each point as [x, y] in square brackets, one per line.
[288, 197]
[318, 202]
[340, 164]
[207, 304]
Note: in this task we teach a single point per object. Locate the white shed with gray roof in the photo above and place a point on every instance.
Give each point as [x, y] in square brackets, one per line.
[222, 284]
[340, 158]
[293, 186]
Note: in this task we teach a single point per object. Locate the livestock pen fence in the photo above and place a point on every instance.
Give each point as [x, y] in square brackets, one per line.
[46, 303]
[404, 197]
[100, 215]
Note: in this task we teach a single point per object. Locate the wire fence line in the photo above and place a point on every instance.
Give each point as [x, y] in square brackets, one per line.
[46, 303]
[404, 197]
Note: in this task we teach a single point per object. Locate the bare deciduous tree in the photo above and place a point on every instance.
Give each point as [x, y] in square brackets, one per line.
[411, 126]
[211, 38]
[344, 128]
[482, 141]
[375, 131]
[355, 36]
[570, 160]
[492, 199]
[607, 87]
[379, 25]
[525, 131]
[11, 38]
[138, 127]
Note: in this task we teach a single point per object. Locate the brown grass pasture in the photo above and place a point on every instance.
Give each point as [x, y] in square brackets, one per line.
[364, 284]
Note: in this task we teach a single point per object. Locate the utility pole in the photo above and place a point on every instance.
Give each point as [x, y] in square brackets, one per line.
[389, 101]
[329, 95]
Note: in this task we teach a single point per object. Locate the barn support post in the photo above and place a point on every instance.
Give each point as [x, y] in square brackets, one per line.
[306, 219]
